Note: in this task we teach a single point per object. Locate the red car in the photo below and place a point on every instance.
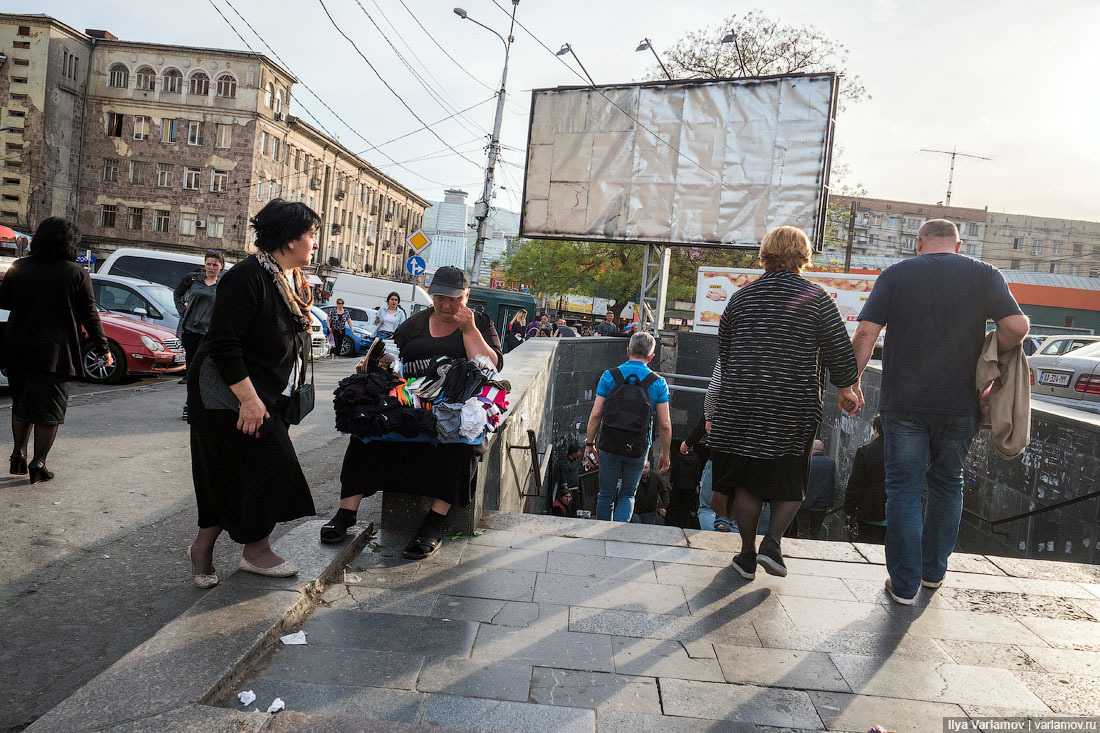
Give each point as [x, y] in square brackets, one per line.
[138, 347]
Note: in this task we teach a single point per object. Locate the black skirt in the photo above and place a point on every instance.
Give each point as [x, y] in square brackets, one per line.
[38, 397]
[447, 471]
[772, 479]
[246, 485]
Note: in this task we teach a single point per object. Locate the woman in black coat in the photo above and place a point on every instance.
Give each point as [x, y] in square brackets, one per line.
[247, 476]
[50, 299]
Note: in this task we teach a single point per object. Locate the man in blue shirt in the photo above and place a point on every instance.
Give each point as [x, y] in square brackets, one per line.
[935, 307]
[619, 475]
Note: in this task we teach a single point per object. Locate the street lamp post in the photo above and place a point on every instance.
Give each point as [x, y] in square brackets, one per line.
[647, 45]
[481, 208]
[568, 48]
[731, 37]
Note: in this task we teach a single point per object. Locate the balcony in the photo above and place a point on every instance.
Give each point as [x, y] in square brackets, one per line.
[336, 228]
[315, 184]
[339, 195]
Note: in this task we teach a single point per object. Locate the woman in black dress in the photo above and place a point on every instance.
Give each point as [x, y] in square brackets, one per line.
[247, 477]
[50, 298]
[447, 472]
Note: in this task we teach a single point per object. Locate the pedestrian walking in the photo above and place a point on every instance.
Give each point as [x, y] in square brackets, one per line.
[934, 307]
[516, 333]
[568, 469]
[776, 338]
[608, 327]
[627, 399]
[50, 298]
[247, 370]
[683, 485]
[338, 322]
[194, 299]
[651, 500]
[865, 496]
[820, 495]
[388, 320]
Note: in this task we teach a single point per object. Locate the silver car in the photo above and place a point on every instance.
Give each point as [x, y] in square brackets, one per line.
[1072, 377]
[1063, 343]
[138, 299]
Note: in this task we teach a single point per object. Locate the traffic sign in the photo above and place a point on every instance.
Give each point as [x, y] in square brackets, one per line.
[418, 240]
[415, 266]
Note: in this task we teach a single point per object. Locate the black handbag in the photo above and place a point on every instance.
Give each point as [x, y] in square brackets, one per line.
[302, 397]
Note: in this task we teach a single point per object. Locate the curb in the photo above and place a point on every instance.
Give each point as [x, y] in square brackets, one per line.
[199, 655]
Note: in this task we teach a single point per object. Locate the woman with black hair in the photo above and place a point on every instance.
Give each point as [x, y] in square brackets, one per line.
[50, 299]
[389, 319]
[246, 474]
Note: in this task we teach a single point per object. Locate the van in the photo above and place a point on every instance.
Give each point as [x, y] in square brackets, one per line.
[500, 305]
[166, 268]
[370, 293]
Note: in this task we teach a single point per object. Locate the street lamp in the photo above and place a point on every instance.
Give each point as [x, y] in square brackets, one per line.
[731, 37]
[647, 45]
[481, 208]
[566, 48]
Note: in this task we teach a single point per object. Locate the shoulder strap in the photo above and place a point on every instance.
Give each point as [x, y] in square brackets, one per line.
[650, 379]
[617, 375]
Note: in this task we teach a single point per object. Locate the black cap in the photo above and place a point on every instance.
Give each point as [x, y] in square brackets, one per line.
[449, 281]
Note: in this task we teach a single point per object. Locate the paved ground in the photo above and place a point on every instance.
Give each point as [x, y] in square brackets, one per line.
[92, 563]
[555, 624]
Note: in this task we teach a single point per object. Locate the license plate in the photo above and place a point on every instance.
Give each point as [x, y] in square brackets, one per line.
[180, 358]
[1053, 379]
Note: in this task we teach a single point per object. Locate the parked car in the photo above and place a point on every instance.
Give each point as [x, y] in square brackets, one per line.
[138, 348]
[1063, 343]
[1072, 377]
[166, 268]
[360, 333]
[138, 299]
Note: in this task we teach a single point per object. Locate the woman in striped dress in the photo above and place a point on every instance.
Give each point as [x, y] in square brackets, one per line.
[777, 337]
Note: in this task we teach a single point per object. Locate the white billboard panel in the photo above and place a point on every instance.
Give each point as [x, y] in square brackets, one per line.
[693, 162]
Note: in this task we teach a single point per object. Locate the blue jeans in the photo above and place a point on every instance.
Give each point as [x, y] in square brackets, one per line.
[618, 483]
[706, 493]
[922, 447]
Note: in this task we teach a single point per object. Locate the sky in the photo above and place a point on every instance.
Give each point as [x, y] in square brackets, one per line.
[1004, 79]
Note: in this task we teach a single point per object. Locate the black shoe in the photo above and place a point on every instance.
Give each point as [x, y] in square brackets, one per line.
[184, 415]
[18, 463]
[771, 558]
[745, 565]
[39, 472]
[337, 528]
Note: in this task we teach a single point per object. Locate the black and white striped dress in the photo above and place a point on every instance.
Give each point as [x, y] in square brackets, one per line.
[776, 338]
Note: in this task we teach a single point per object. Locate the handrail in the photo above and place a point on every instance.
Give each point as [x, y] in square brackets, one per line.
[1034, 512]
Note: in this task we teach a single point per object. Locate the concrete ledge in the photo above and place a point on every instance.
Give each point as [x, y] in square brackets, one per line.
[203, 652]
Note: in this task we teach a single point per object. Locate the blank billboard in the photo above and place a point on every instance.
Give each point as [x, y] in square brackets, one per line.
[694, 162]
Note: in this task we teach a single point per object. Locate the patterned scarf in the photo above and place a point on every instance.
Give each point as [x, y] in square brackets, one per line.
[298, 305]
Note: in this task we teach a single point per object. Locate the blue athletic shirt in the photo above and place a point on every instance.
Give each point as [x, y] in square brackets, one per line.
[658, 391]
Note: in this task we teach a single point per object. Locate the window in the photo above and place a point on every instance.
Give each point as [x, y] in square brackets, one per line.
[1075, 270]
[16, 113]
[114, 125]
[1057, 247]
[194, 133]
[971, 249]
[141, 128]
[200, 84]
[110, 170]
[1018, 243]
[191, 178]
[261, 190]
[1054, 267]
[160, 221]
[1036, 246]
[269, 95]
[1035, 266]
[972, 229]
[908, 244]
[137, 171]
[136, 218]
[265, 141]
[219, 181]
[172, 80]
[275, 149]
[227, 86]
[297, 159]
[164, 175]
[118, 76]
[22, 44]
[20, 62]
[1015, 265]
[279, 102]
[68, 62]
[145, 79]
[1094, 272]
[1077, 249]
[223, 135]
[893, 222]
[215, 226]
[187, 224]
[24, 30]
[19, 80]
[109, 215]
[169, 130]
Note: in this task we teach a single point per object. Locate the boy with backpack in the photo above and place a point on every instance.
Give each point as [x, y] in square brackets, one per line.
[627, 398]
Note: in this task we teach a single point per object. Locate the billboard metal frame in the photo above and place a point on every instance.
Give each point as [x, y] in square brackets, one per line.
[823, 191]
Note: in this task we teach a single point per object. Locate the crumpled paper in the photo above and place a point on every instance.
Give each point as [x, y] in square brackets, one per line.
[276, 705]
[247, 697]
[298, 637]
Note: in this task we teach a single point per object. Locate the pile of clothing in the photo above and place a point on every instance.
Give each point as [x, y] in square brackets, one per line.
[444, 399]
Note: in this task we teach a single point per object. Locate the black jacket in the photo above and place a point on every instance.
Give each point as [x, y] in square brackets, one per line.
[251, 333]
[866, 494]
[49, 301]
[652, 493]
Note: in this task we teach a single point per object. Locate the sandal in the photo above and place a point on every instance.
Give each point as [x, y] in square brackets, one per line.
[421, 548]
[336, 530]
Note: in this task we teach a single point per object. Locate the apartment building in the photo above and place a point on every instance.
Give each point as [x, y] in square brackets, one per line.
[1042, 244]
[173, 147]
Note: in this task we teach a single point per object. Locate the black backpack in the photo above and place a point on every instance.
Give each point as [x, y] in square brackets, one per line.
[627, 412]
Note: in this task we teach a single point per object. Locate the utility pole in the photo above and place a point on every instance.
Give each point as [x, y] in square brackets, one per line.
[851, 237]
[951, 176]
[481, 208]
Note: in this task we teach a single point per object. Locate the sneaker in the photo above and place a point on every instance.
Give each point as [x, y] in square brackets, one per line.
[721, 524]
[896, 598]
[771, 558]
[184, 415]
[931, 583]
[745, 565]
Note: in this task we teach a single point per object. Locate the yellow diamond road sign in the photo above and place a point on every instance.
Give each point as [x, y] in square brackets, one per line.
[418, 240]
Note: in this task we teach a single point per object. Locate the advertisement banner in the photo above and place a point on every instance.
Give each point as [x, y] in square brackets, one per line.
[715, 286]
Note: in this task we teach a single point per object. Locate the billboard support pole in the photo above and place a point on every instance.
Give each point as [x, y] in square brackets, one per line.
[654, 286]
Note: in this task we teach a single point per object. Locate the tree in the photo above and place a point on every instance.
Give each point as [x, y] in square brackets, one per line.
[552, 267]
[761, 46]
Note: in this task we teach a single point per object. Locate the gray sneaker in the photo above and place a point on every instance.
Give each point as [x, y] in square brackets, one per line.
[745, 565]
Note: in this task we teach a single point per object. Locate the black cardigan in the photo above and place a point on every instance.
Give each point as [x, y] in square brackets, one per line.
[251, 333]
[49, 301]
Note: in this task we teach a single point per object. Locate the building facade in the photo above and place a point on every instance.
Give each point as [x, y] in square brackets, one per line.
[170, 147]
[449, 231]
